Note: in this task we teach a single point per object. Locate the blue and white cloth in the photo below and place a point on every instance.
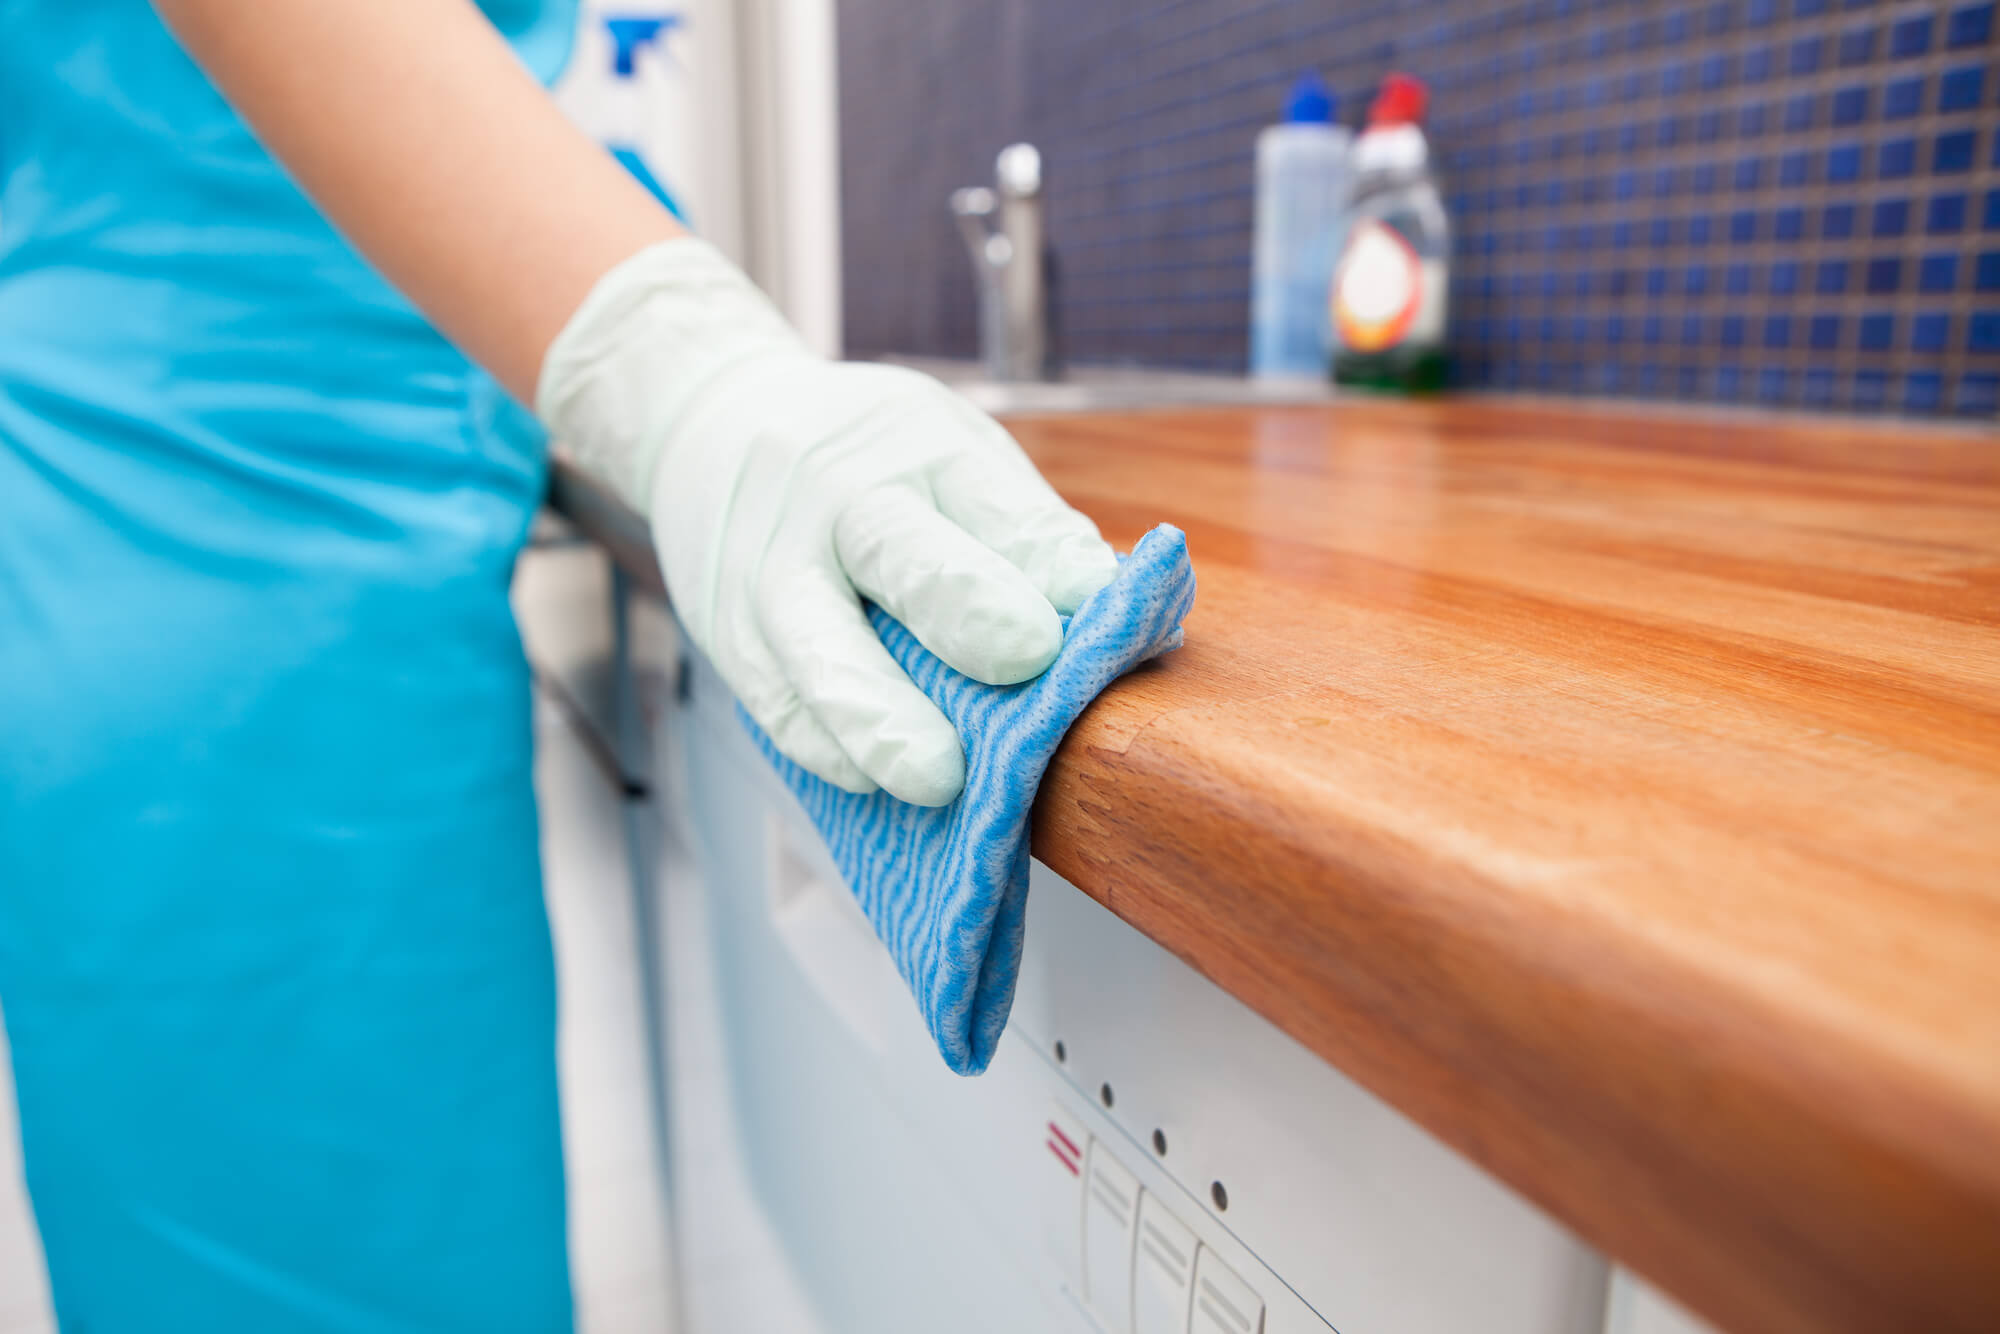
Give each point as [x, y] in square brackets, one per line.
[947, 886]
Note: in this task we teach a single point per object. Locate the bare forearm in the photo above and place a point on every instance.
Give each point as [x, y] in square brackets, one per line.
[415, 129]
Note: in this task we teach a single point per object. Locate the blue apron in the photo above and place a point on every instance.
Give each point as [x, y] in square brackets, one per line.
[273, 957]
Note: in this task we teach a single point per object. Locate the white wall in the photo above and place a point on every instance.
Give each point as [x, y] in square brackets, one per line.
[790, 100]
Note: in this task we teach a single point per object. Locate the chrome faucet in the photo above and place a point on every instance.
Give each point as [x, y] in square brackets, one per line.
[1008, 263]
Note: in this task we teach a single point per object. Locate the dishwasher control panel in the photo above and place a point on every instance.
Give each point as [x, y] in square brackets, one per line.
[1132, 1255]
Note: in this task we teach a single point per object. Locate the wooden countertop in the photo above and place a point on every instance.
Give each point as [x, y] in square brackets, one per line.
[1616, 794]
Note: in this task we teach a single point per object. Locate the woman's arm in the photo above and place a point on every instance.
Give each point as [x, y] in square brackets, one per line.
[783, 489]
[417, 131]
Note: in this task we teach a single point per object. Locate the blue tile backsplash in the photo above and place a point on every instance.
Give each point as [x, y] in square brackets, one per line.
[1783, 202]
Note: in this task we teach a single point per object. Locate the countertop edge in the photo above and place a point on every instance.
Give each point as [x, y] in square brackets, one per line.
[1447, 1021]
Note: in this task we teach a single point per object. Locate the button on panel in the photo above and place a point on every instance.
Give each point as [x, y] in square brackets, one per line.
[1223, 1303]
[1110, 1213]
[1058, 1169]
[1162, 1270]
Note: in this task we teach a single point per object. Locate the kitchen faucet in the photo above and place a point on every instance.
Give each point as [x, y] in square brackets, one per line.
[1007, 262]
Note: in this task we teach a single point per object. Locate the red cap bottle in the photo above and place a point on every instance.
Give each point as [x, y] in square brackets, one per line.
[1402, 100]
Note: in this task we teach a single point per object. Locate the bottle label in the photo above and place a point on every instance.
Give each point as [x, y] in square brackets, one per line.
[1379, 289]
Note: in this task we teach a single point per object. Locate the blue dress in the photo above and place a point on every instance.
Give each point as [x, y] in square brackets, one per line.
[273, 956]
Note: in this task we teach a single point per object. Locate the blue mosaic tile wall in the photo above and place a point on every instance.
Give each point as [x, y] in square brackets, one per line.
[1792, 203]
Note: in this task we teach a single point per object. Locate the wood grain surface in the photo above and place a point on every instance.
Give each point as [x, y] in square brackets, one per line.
[1617, 794]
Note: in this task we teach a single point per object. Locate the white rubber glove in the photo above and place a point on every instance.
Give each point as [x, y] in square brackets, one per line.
[783, 488]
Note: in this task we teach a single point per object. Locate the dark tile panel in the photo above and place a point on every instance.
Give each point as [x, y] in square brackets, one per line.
[1784, 202]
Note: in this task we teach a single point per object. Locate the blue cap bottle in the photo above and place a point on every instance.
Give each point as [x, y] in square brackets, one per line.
[1301, 193]
[1311, 102]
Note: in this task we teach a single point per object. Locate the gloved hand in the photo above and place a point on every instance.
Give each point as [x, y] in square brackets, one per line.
[783, 488]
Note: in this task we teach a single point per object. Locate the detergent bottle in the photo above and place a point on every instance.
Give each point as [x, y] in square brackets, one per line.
[1302, 181]
[610, 102]
[1392, 281]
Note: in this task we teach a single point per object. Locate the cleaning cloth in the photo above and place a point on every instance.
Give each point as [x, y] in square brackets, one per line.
[947, 886]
